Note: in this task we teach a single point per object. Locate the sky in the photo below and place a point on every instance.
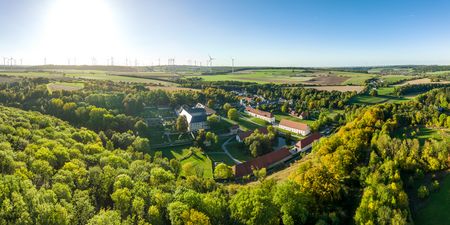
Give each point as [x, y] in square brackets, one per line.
[254, 32]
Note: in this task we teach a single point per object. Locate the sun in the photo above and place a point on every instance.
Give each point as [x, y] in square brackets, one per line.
[82, 28]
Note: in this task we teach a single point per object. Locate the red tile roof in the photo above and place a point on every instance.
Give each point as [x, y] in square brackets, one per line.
[263, 161]
[308, 140]
[293, 124]
[259, 112]
[246, 134]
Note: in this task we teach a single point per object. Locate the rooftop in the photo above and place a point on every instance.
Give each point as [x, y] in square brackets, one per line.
[308, 140]
[259, 112]
[294, 125]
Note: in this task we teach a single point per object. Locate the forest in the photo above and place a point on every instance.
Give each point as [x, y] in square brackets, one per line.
[79, 158]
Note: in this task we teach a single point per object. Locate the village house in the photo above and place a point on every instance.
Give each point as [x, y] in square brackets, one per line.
[295, 127]
[196, 118]
[303, 115]
[307, 142]
[241, 136]
[267, 116]
[234, 129]
[208, 110]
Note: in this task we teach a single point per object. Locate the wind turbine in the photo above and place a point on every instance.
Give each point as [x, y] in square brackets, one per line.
[210, 62]
[232, 65]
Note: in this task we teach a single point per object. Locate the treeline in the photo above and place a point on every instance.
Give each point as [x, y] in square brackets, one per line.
[417, 88]
[112, 108]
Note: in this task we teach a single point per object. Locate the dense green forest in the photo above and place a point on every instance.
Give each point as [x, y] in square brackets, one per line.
[55, 171]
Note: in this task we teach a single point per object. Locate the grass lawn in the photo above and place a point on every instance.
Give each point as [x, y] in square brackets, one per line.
[220, 157]
[222, 127]
[237, 150]
[247, 125]
[280, 116]
[259, 121]
[437, 208]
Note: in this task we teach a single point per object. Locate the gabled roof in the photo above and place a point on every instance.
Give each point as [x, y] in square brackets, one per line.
[294, 125]
[198, 114]
[246, 134]
[259, 112]
[263, 161]
[208, 110]
[308, 140]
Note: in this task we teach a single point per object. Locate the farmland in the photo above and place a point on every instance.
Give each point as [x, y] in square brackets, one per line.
[340, 88]
[422, 81]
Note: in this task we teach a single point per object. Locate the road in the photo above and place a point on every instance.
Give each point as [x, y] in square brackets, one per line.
[224, 148]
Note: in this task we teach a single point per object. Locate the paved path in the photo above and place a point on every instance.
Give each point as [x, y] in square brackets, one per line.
[224, 147]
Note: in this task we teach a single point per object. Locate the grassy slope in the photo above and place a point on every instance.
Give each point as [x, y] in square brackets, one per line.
[436, 211]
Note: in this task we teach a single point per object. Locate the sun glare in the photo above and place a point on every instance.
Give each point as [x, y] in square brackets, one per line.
[80, 28]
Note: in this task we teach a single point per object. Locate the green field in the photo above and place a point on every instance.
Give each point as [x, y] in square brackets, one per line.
[220, 157]
[437, 208]
[390, 79]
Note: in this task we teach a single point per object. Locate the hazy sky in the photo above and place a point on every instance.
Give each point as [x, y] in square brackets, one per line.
[255, 32]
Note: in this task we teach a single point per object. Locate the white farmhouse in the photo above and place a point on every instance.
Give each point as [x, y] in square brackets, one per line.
[296, 127]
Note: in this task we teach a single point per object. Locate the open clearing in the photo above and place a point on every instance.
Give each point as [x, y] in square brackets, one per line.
[437, 206]
[422, 81]
[337, 88]
[64, 86]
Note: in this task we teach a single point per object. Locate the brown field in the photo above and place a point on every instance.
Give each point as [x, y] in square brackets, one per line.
[338, 88]
[65, 87]
[170, 88]
[327, 80]
[422, 81]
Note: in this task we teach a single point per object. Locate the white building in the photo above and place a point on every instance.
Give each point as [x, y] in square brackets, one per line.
[267, 116]
[295, 127]
[196, 118]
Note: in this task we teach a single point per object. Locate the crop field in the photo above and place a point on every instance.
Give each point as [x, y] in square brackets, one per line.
[422, 81]
[92, 75]
[287, 76]
[338, 88]
[170, 88]
[66, 86]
